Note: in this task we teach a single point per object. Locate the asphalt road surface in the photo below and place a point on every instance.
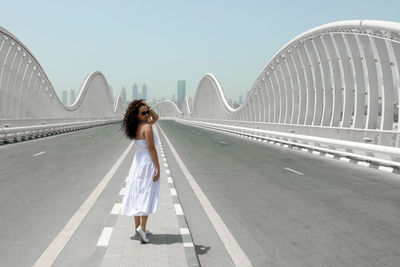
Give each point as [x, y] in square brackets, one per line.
[43, 183]
[285, 207]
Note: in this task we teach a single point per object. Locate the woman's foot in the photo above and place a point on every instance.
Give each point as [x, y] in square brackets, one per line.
[142, 234]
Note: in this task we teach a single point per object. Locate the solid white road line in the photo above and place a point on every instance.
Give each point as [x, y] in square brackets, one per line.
[116, 208]
[238, 256]
[57, 245]
[178, 209]
[40, 153]
[289, 169]
[105, 237]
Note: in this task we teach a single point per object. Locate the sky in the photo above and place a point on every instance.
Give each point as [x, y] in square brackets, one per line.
[160, 42]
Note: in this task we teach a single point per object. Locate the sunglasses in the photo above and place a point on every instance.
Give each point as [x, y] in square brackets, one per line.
[145, 112]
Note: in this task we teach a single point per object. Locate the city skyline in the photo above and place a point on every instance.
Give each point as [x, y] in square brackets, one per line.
[166, 42]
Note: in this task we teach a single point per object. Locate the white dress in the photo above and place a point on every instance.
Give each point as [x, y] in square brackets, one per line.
[141, 193]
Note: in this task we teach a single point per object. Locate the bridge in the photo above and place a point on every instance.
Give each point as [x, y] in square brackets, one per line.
[304, 173]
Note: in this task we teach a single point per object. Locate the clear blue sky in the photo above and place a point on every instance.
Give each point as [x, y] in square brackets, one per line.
[160, 42]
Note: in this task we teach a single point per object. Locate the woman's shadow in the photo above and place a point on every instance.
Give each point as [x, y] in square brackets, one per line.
[163, 239]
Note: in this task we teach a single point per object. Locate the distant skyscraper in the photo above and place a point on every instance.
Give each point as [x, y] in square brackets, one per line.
[240, 100]
[173, 98]
[64, 97]
[123, 94]
[134, 91]
[71, 96]
[181, 92]
[144, 91]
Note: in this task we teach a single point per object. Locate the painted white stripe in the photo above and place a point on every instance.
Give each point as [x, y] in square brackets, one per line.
[304, 149]
[363, 163]
[105, 236]
[329, 156]
[185, 231]
[238, 256]
[57, 245]
[116, 208]
[285, 145]
[122, 192]
[164, 159]
[178, 209]
[40, 153]
[173, 191]
[345, 159]
[289, 169]
[188, 245]
[167, 171]
[166, 165]
[170, 180]
[316, 152]
[386, 169]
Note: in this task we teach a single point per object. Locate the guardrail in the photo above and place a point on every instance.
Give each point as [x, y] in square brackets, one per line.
[15, 134]
[373, 153]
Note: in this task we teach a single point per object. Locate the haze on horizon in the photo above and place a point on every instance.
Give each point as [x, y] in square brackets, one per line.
[160, 42]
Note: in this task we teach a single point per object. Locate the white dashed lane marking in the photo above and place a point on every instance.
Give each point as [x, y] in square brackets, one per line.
[289, 169]
[178, 209]
[105, 237]
[116, 208]
[40, 153]
[173, 191]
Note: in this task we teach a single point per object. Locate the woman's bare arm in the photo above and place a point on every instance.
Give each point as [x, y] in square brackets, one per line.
[149, 138]
[154, 116]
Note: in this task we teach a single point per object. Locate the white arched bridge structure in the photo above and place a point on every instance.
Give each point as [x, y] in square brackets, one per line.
[27, 97]
[334, 87]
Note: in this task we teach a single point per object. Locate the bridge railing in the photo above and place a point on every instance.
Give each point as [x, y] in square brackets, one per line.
[377, 154]
[15, 134]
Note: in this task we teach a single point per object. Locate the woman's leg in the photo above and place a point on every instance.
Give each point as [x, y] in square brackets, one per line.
[137, 221]
[143, 222]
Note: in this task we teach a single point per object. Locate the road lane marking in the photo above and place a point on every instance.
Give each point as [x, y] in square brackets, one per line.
[170, 180]
[105, 236]
[178, 209]
[116, 208]
[188, 245]
[238, 256]
[289, 169]
[40, 153]
[185, 231]
[122, 192]
[57, 245]
[173, 192]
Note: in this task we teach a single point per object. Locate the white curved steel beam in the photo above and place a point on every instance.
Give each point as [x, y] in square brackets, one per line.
[27, 93]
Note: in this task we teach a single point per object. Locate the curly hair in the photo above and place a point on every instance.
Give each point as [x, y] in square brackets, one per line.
[131, 121]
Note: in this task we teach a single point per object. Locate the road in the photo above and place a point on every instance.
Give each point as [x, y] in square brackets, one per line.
[43, 183]
[285, 207]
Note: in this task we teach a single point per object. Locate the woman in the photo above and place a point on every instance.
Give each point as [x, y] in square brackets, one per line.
[142, 187]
